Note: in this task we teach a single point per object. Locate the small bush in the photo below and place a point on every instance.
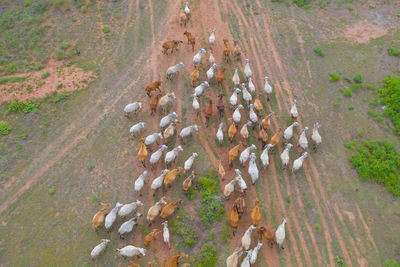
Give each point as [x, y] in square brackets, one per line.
[350, 7]
[347, 93]
[333, 77]
[351, 107]
[118, 15]
[52, 191]
[106, 29]
[393, 52]
[12, 80]
[351, 145]
[356, 87]
[64, 45]
[372, 113]
[23, 107]
[347, 79]
[318, 51]
[5, 128]
[358, 78]
[45, 74]
[207, 257]
[27, 3]
[379, 161]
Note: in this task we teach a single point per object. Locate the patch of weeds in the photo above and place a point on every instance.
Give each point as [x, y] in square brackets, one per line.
[45, 74]
[379, 161]
[391, 263]
[336, 105]
[23, 136]
[351, 145]
[358, 78]
[356, 87]
[318, 51]
[350, 7]
[27, 3]
[61, 96]
[60, 54]
[347, 79]
[288, 199]
[393, 52]
[225, 234]
[374, 101]
[90, 166]
[333, 77]
[94, 199]
[302, 3]
[52, 191]
[207, 256]
[340, 261]
[106, 29]
[64, 45]
[40, 83]
[182, 226]
[29, 88]
[212, 207]
[5, 128]
[23, 107]
[390, 97]
[12, 80]
[117, 15]
[351, 107]
[191, 193]
[372, 113]
[318, 227]
[379, 118]
[59, 86]
[289, 121]
[347, 93]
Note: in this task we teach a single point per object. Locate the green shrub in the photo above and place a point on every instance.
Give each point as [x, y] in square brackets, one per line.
[318, 50]
[45, 74]
[350, 7]
[347, 93]
[379, 161]
[23, 107]
[391, 263]
[351, 107]
[5, 128]
[212, 207]
[351, 145]
[27, 3]
[333, 77]
[356, 87]
[372, 113]
[64, 45]
[393, 52]
[52, 191]
[106, 29]
[207, 256]
[390, 97]
[60, 54]
[358, 78]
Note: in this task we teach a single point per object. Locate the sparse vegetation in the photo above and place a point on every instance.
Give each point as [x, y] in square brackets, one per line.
[12, 80]
[378, 161]
[318, 51]
[333, 77]
[347, 79]
[52, 191]
[23, 107]
[59, 97]
[302, 3]
[351, 107]
[390, 97]
[5, 128]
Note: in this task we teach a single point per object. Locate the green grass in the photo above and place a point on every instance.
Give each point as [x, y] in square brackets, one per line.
[390, 97]
[212, 208]
[302, 3]
[333, 77]
[393, 52]
[5, 128]
[378, 160]
[351, 107]
[23, 107]
[318, 51]
[59, 97]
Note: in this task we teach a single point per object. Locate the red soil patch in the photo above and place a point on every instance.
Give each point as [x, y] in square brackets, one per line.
[62, 78]
[363, 31]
